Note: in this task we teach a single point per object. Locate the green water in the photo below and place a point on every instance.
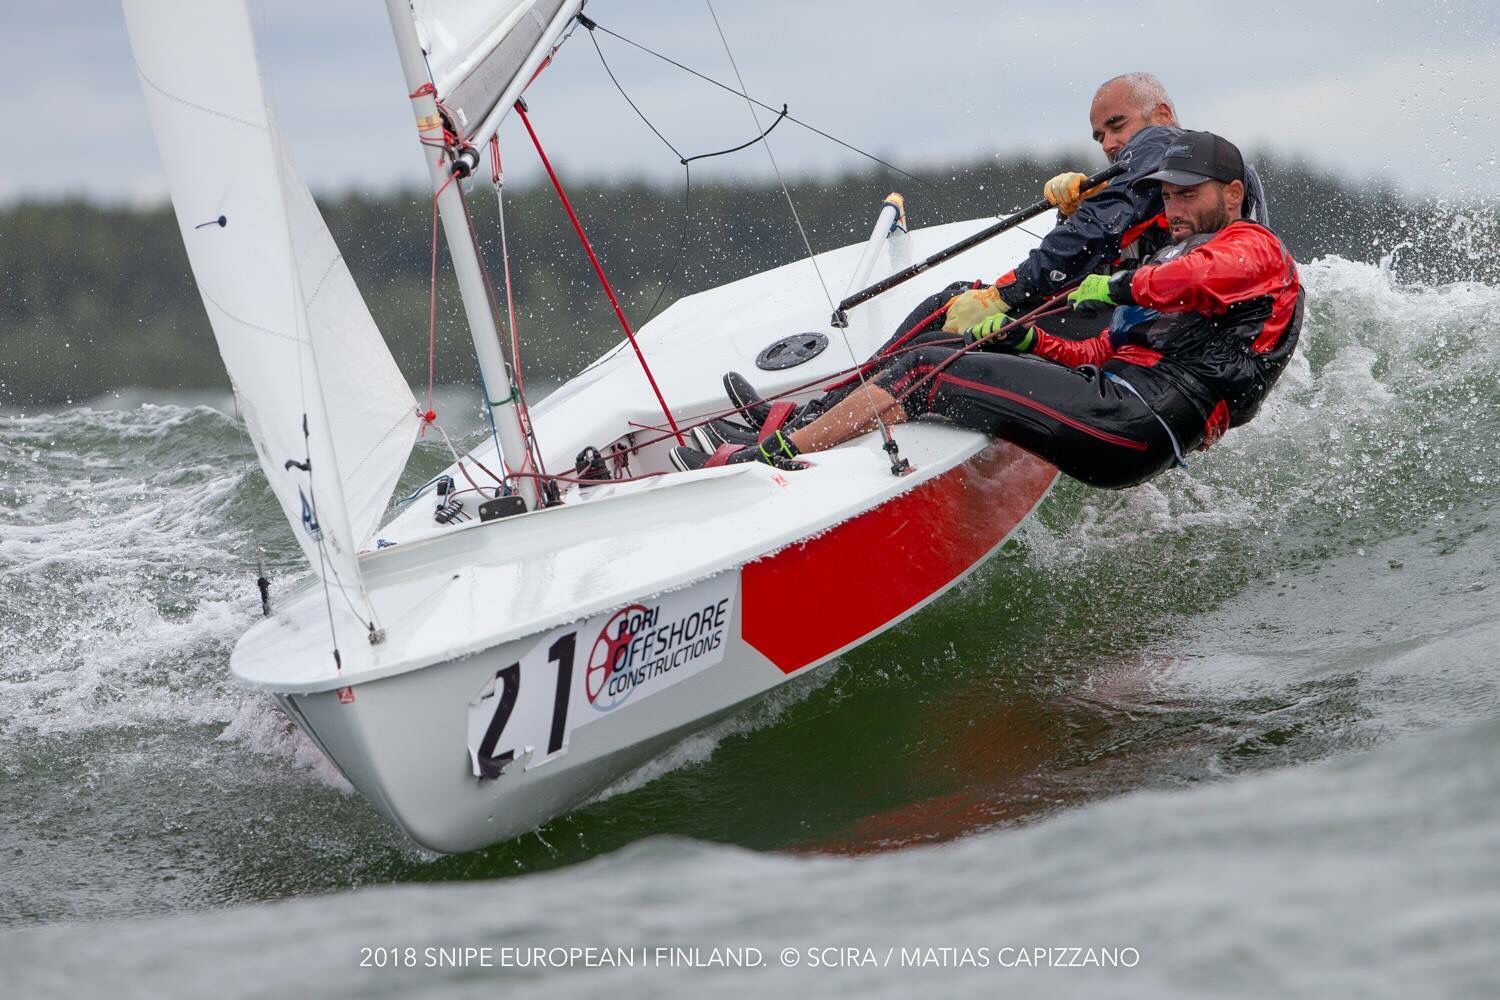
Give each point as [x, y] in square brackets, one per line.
[1284, 655]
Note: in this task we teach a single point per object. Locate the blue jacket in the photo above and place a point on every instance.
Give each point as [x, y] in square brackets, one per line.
[1090, 240]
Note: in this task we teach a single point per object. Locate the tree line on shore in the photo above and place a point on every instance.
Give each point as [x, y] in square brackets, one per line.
[100, 297]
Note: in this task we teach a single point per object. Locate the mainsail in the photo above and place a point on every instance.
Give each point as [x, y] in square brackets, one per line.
[315, 382]
[483, 54]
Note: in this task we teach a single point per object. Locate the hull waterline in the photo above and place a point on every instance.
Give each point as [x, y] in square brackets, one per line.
[409, 741]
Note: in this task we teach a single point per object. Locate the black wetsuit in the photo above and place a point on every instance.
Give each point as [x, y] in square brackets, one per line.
[1122, 225]
[1120, 408]
[1090, 427]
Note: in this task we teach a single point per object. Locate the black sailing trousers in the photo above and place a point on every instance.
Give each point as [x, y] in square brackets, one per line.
[1082, 420]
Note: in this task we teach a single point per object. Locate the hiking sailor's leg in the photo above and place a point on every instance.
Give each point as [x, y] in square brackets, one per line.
[1089, 428]
[852, 416]
[922, 327]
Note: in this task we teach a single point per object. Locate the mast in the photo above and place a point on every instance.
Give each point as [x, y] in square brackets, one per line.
[501, 391]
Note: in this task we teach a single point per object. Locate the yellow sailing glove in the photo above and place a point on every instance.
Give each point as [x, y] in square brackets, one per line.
[973, 307]
[1064, 191]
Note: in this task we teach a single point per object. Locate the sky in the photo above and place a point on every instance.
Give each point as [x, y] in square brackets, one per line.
[1397, 92]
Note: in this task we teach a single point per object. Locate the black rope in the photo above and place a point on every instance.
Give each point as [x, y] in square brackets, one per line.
[735, 149]
[687, 176]
[687, 172]
[593, 25]
[639, 114]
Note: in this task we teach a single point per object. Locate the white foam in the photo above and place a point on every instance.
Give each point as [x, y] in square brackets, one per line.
[124, 578]
[263, 727]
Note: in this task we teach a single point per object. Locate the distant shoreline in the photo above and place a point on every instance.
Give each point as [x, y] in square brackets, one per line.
[100, 297]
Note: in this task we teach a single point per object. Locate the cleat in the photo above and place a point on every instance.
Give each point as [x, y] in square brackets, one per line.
[711, 435]
[744, 398]
[589, 466]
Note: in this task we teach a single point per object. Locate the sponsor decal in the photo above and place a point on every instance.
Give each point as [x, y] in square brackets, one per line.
[1181, 149]
[526, 708]
[646, 646]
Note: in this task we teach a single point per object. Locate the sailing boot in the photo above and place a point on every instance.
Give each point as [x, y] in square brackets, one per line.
[743, 397]
[777, 450]
[756, 410]
[710, 436]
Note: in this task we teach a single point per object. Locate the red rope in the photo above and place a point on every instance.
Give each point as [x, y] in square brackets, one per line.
[1052, 307]
[845, 376]
[431, 414]
[599, 270]
[826, 382]
[889, 352]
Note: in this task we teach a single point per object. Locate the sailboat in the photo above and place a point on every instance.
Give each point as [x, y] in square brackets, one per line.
[524, 632]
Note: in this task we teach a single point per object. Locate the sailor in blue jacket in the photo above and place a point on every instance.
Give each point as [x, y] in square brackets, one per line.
[1104, 229]
[1134, 122]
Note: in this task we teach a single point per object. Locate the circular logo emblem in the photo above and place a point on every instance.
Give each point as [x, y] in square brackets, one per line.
[610, 658]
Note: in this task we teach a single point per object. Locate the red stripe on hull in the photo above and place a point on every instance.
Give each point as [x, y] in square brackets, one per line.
[818, 596]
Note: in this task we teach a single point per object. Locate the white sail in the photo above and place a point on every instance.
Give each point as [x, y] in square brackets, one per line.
[298, 343]
[373, 418]
[483, 53]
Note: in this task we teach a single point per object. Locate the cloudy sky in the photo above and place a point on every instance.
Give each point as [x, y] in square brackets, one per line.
[1405, 92]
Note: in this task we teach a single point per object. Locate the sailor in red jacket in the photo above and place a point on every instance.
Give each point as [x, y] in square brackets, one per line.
[1199, 334]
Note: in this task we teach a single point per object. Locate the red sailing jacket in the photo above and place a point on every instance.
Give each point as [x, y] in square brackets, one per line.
[1230, 311]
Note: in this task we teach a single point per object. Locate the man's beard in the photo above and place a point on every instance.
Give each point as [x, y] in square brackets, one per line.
[1211, 222]
[1216, 221]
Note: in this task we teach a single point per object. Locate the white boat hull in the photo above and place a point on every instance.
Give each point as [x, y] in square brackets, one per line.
[807, 564]
[407, 741]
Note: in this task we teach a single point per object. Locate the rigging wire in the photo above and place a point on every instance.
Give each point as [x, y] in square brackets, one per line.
[593, 25]
[326, 564]
[310, 499]
[533, 454]
[750, 103]
[898, 465]
[687, 189]
[497, 180]
[533, 447]
[687, 173]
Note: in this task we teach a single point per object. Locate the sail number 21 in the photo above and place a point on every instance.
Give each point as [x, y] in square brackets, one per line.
[492, 761]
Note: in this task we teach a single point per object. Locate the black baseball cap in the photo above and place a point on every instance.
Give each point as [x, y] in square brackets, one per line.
[1195, 157]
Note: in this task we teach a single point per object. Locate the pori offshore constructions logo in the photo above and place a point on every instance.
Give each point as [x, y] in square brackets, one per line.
[644, 646]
